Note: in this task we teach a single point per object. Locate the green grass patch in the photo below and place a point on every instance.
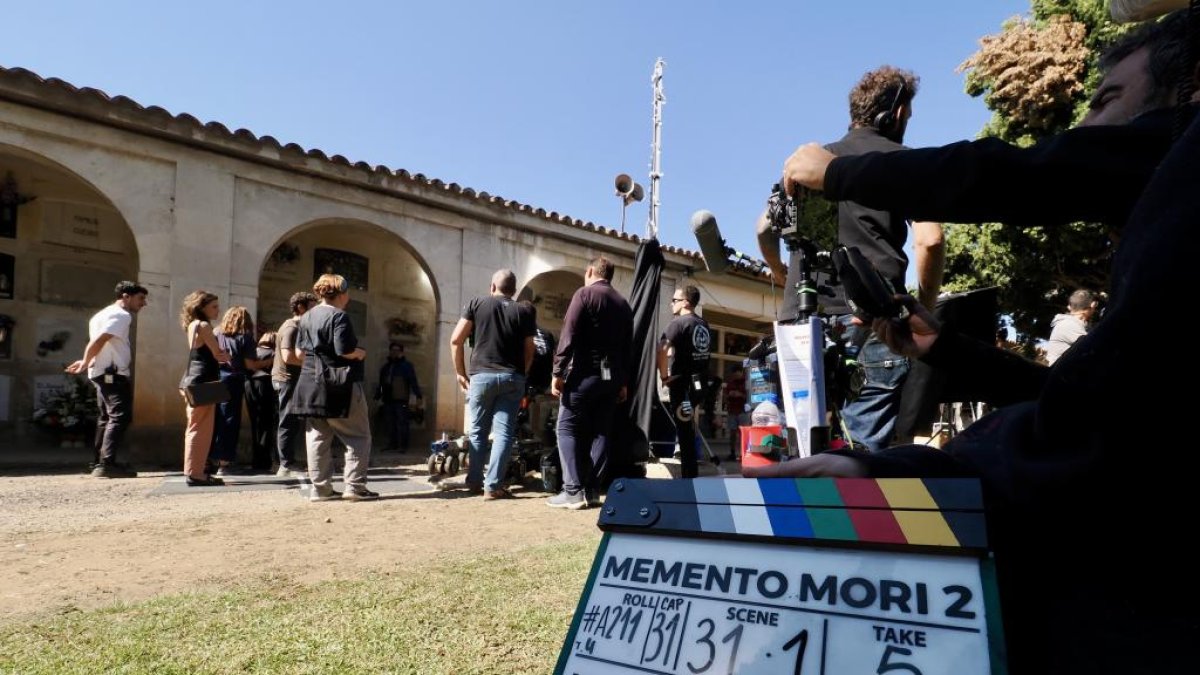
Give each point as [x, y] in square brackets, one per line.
[496, 614]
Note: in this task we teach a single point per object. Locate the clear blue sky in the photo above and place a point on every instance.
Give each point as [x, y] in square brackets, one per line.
[542, 102]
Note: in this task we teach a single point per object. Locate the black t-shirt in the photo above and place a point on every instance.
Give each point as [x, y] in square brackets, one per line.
[501, 326]
[691, 339]
[879, 235]
[326, 330]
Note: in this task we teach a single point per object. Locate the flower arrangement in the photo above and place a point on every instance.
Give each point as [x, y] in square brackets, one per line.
[70, 410]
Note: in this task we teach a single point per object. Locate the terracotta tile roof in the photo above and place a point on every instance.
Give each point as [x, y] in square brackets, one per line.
[25, 86]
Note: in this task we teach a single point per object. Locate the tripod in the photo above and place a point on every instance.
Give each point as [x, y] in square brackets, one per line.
[712, 456]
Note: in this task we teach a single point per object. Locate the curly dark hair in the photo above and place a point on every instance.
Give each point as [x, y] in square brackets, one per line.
[302, 300]
[876, 91]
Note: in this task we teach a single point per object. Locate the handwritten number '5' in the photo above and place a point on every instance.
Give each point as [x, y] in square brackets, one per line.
[885, 667]
[712, 648]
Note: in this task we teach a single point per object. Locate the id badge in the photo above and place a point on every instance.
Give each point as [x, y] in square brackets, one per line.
[108, 378]
[696, 383]
[605, 371]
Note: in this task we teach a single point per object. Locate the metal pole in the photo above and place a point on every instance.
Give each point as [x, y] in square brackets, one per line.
[656, 154]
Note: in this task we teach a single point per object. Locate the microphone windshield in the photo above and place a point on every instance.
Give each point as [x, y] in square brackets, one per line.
[708, 236]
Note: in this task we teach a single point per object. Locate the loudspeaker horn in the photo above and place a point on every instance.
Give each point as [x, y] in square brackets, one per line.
[624, 185]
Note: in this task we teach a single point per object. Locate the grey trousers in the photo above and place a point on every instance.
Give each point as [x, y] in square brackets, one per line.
[355, 432]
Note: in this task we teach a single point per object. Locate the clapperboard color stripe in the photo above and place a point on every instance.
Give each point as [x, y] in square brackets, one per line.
[946, 513]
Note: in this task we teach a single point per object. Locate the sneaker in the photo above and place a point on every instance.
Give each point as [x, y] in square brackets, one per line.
[207, 481]
[318, 496]
[360, 495]
[113, 471]
[286, 471]
[498, 493]
[567, 500]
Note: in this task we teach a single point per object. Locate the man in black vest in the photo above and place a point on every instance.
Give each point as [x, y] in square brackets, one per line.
[880, 107]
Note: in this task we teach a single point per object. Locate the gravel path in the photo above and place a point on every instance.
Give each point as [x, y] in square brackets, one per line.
[73, 542]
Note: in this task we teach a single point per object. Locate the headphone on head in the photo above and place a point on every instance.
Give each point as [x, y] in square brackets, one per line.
[885, 122]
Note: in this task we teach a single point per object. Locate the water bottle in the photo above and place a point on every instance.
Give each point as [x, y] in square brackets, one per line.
[766, 414]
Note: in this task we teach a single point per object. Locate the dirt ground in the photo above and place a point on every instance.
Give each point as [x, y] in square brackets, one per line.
[72, 542]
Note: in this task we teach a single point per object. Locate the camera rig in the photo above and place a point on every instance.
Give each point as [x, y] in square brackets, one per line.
[794, 220]
[797, 220]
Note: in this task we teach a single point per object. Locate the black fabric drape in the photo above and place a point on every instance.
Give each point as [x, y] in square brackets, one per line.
[630, 444]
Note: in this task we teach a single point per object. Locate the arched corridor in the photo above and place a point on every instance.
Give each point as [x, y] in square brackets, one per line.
[393, 296]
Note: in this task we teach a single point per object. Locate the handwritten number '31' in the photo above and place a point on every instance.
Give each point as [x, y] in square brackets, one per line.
[734, 635]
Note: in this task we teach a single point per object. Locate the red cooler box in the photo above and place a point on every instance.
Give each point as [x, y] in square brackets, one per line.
[753, 452]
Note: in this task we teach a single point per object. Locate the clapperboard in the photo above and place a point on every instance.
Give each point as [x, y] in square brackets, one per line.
[802, 576]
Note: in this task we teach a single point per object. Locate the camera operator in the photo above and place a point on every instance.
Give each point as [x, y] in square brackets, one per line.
[880, 107]
[1070, 449]
[1093, 172]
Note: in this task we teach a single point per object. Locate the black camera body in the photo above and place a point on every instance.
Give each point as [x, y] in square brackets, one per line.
[796, 220]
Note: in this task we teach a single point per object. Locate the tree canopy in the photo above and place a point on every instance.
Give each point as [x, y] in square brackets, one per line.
[1035, 75]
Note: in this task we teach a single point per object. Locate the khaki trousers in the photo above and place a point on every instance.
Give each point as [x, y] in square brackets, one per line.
[355, 432]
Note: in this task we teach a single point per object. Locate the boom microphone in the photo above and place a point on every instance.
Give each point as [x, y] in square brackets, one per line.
[704, 225]
[712, 245]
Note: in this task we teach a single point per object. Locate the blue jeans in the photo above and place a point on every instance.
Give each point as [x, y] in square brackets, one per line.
[493, 400]
[228, 421]
[871, 417]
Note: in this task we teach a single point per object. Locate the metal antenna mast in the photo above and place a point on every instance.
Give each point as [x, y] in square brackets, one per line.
[656, 156]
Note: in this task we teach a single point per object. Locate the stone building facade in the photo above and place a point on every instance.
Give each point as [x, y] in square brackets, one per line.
[99, 188]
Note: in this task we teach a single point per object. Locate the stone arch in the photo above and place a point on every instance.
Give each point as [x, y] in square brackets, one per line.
[550, 292]
[63, 246]
[359, 224]
[394, 296]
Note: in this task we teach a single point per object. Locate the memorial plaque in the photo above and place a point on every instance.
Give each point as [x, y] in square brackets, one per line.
[82, 226]
[6, 398]
[8, 276]
[78, 284]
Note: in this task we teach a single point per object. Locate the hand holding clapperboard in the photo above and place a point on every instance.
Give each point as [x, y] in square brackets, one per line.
[804, 576]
